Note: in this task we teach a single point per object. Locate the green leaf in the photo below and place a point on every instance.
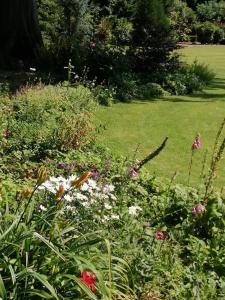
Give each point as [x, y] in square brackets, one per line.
[3, 293]
[13, 275]
[50, 245]
[42, 294]
[44, 281]
[83, 286]
[10, 228]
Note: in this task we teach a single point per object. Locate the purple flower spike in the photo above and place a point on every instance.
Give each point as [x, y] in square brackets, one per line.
[197, 143]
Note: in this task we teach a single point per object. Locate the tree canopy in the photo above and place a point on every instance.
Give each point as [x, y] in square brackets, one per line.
[20, 35]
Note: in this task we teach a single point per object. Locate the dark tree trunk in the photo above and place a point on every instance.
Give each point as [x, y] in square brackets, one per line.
[20, 36]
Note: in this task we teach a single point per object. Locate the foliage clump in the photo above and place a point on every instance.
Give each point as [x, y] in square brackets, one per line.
[40, 121]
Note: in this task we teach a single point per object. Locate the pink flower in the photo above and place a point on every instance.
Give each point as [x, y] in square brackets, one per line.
[132, 171]
[134, 174]
[160, 235]
[198, 210]
[92, 45]
[197, 143]
[95, 174]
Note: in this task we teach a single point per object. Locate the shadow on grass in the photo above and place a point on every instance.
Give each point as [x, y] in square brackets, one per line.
[214, 92]
[218, 83]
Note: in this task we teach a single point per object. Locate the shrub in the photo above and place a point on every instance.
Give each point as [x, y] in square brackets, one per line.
[4, 89]
[104, 96]
[203, 72]
[218, 35]
[176, 84]
[126, 86]
[205, 32]
[150, 90]
[41, 120]
[208, 32]
[189, 78]
[211, 11]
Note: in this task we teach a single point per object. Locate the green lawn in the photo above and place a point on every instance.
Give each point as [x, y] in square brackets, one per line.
[145, 124]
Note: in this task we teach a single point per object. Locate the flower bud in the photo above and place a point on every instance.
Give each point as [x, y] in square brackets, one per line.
[78, 182]
[26, 192]
[42, 175]
[60, 191]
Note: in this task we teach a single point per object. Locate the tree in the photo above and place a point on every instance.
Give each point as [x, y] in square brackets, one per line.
[154, 38]
[20, 36]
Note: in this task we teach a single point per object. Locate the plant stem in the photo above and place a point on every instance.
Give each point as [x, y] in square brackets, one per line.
[190, 166]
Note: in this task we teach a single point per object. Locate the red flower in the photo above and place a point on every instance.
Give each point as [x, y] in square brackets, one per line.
[89, 279]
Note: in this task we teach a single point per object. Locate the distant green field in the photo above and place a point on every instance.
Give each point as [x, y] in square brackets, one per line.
[144, 124]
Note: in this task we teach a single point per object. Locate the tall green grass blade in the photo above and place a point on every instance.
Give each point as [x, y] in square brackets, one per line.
[3, 293]
[110, 267]
[13, 275]
[41, 294]
[86, 289]
[41, 278]
[14, 224]
[50, 245]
